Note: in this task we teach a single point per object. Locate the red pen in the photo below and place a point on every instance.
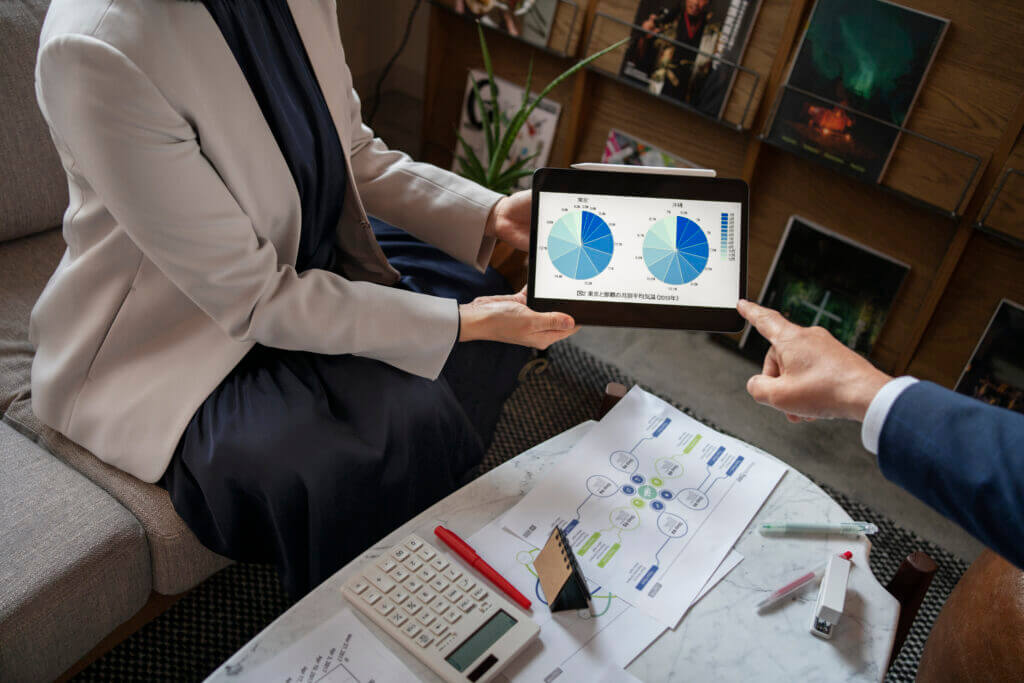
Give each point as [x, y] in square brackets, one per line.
[463, 550]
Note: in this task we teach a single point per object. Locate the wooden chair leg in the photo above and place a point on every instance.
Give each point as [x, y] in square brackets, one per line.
[909, 585]
[613, 393]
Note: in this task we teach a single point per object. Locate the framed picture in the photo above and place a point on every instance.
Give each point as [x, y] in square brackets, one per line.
[530, 20]
[821, 278]
[995, 372]
[856, 75]
[535, 137]
[699, 71]
[623, 148]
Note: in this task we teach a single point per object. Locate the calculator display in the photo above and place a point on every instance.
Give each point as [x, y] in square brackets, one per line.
[483, 638]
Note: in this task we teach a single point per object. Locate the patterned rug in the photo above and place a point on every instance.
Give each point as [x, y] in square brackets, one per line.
[208, 625]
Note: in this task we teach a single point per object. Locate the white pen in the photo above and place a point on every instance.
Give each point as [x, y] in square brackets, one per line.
[845, 528]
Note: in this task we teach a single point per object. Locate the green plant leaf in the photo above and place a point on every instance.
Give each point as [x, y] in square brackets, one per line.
[476, 169]
[465, 170]
[497, 158]
[509, 184]
[493, 86]
[519, 167]
[529, 80]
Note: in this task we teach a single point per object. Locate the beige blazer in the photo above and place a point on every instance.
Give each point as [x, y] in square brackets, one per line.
[183, 227]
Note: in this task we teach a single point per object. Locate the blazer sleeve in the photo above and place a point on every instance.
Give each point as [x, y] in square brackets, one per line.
[144, 162]
[964, 458]
[437, 206]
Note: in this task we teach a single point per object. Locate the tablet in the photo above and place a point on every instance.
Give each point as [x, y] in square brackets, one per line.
[639, 249]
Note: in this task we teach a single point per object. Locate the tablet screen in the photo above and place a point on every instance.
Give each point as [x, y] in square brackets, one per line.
[638, 250]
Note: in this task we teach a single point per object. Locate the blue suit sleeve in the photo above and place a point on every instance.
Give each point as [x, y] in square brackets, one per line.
[964, 458]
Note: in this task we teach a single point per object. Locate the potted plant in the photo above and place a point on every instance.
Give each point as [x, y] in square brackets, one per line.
[497, 171]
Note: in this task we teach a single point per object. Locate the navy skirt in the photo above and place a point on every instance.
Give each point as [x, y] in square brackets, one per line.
[305, 460]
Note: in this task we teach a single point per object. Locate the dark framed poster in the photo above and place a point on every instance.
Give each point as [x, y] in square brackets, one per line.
[995, 372]
[696, 69]
[821, 278]
[856, 75]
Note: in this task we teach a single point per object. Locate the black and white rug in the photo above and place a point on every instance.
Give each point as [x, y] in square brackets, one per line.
[208, 625]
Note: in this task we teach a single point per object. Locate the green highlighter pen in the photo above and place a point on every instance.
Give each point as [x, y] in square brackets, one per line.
[844, 528]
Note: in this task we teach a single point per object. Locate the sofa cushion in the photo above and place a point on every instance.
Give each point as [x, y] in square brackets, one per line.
[179, 560]
[26, 264]
[33, 186]
[74, 566]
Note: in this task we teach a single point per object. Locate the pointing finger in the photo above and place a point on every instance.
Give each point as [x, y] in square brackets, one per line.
[768, 322]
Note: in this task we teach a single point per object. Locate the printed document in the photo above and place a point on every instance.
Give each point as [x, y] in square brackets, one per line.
[341, 650]
[652, 501]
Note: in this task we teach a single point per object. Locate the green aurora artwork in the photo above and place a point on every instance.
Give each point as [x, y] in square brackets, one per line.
[870, 57]
[871, 54]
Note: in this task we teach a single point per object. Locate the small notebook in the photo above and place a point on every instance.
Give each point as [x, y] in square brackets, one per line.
[560, 577]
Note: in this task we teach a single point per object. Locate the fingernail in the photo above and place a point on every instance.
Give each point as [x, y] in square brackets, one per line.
[568, 323]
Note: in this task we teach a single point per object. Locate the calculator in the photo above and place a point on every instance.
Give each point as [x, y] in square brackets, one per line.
[450, 618]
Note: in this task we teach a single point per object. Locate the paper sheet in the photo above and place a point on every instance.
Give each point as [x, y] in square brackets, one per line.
[728, 564]
[341, 650]
[652, 501]
[573, 642]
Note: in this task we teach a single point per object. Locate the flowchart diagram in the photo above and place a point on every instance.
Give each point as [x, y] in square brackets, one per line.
[644, 488]
[576, 642]
[657, 496]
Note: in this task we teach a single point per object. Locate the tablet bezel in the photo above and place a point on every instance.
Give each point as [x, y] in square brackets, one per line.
[616, 314]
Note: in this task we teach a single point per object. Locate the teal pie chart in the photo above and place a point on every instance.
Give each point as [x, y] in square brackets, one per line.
[675, 250]
[580, 245]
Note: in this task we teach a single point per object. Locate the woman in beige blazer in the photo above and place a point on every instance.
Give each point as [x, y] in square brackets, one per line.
[227, 320]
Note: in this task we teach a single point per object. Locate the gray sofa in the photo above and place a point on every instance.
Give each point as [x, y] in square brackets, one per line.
[84, 548]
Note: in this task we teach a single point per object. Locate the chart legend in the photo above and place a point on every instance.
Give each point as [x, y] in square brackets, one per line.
[728, 244]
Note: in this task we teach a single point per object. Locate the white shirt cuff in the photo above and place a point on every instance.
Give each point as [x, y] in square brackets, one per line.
[879, 409]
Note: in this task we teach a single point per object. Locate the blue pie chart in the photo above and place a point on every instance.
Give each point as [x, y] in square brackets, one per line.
[580, 245]
[675, 250]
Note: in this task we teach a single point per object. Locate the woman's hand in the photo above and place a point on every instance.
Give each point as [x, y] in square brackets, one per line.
[510, 220]
[507, 319]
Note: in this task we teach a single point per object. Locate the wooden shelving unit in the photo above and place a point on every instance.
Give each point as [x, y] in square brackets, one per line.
[931, 209]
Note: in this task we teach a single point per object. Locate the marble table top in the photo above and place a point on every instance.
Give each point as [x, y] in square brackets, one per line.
[722, 638]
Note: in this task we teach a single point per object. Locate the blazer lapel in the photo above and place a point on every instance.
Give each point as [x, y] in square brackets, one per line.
[237, 139]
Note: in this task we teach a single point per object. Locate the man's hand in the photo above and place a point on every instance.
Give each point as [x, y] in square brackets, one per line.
[510, 220]
[808, 373]
[507, 319]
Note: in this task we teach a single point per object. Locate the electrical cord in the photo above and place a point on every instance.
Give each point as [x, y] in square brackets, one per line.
[391, 62]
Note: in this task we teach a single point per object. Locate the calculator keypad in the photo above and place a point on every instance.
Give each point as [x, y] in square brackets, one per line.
[421, 595]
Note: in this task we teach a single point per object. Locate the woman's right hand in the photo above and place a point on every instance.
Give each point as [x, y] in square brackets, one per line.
[508, 319]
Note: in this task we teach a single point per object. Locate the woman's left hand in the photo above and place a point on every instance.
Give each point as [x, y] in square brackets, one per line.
[510, 220]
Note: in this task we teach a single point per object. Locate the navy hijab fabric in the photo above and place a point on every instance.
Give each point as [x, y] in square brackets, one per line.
[302, 459]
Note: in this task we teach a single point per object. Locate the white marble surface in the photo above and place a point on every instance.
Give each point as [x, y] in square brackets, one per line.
[721, 639]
